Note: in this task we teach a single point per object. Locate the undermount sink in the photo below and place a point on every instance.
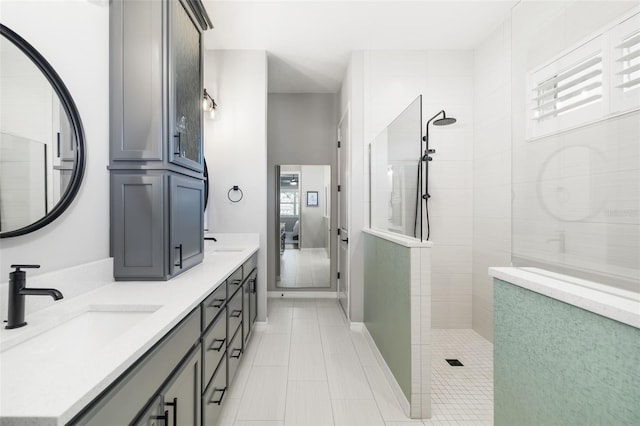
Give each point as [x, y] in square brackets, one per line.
[225, 249]
[95, 325]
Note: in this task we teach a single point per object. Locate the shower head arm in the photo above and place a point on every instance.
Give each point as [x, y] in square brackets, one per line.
[426, 136]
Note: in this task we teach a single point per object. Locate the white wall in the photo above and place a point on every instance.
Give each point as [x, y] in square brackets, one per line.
[313, 229]
[236, 147]
[74, 37]
[491, 171]
[391, 80]
[302, 129]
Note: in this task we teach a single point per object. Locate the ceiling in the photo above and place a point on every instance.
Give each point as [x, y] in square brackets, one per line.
[309, 42]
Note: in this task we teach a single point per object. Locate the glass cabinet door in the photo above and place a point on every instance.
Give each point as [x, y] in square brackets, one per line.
[185, 83]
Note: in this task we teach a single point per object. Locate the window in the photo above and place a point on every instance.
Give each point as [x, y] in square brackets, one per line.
[578, 86]
[593, 81]
[625, 48]
[289, 202]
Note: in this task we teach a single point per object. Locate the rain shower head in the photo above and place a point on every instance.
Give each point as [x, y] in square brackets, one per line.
[444, 121]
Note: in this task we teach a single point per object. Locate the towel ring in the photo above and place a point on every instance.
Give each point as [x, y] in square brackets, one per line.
[235, 188]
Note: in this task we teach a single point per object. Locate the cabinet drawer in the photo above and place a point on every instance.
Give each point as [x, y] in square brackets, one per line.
[234, 353]
[214, 395]
[250, 265]
[213, 304]
[234, 282]
[234, 313]
[214, 347]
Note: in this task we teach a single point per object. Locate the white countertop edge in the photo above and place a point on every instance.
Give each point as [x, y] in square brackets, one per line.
[398, 238]
[618, 308]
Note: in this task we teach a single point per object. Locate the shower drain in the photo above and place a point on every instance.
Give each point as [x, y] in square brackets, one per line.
[454, 363]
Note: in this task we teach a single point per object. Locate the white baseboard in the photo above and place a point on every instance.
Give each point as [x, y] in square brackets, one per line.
[303, 294]
[357, 326]
[261, 325]
[395, 387]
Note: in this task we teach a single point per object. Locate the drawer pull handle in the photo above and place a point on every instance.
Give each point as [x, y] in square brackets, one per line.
[235, 313]
[219, 401]
[219, 347]
[235, 354]
[217, 303]
[165, 417]
[173, 404]
[178, 145]
[179, 248]
[236, 282]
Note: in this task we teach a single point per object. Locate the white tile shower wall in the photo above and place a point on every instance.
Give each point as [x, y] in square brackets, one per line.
[235, 144]
[491, 172]
[392, 80]
[81, 234]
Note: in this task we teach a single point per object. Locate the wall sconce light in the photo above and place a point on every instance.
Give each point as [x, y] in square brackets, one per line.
[208, 104]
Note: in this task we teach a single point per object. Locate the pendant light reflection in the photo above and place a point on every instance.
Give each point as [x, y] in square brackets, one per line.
[209, 105]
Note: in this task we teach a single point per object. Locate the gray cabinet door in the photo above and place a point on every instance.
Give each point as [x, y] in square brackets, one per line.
[186, 223]
[154, 415]
[137, 96]
[183, 394]
[138, 226]
[185, 87]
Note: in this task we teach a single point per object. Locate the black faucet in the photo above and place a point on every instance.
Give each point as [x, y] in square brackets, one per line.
[17, 292]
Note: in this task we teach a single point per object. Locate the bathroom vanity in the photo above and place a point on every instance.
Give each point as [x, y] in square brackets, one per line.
[135, 352]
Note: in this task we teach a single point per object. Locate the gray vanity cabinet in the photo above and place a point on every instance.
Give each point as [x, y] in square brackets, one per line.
[185, 87]
[156, 57]
[156, 84]
[154, 415]
[137, 227]
[186, 222]
[149, 209]
[182, 395]
[138, 127]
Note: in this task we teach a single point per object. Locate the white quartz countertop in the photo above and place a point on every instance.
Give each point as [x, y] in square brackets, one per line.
[617, 304]
[71, 351]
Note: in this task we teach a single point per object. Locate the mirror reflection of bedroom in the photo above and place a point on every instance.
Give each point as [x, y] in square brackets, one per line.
[304, 217]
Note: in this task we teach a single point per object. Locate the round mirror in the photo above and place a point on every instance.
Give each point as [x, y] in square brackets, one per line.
[41, 140]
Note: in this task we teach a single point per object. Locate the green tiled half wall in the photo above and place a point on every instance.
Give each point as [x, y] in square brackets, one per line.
[556, 364]
[387, 306]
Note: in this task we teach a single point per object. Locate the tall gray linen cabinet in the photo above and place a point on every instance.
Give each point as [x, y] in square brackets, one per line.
[156, 150]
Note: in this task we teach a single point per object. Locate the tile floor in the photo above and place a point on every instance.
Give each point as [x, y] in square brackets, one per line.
[304, 268]
[306, 367]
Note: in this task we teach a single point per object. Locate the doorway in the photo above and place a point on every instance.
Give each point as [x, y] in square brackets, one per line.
[303, 213]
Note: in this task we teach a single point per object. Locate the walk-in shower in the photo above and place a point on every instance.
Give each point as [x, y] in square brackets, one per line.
[426, 158]
[397, 185]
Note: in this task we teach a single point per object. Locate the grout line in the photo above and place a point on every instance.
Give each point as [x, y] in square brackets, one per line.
[286, 386]
[326, 369]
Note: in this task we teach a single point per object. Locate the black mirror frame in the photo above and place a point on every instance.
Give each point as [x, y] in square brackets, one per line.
[206, 182]
[76, 124]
